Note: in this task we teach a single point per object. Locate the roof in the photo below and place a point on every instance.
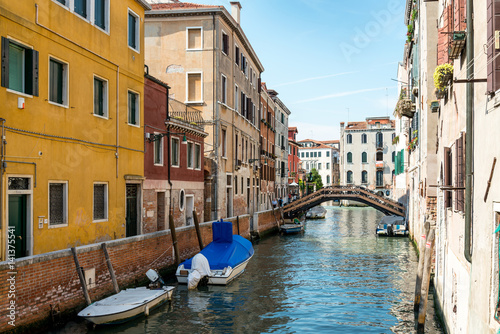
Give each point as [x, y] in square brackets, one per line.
[293, 128]
[144, 4]
[180, 5]
[370, 121]
[331, 142]
[321, 146]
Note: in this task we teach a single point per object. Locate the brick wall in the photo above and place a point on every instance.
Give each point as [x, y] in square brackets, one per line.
[51, 278]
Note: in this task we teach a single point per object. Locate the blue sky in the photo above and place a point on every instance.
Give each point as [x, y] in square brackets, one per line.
[324, 57]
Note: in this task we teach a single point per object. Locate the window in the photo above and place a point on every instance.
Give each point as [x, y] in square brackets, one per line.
[174, 159]
[194, 88]
[190, 152]
[237, 55]
[364, 138]
[133, 30]
[100, 97]
[133, 108]
[58, 82]
[380, 156]
[58, 204]
[307, 154]
[224, 146]
[393, 156]
[225, 43]
[364, 177]
[301, 154]
[244, 64]
[224, 89]
[380, 178]
[158, 152]
[182, 199]
[81, 8]
[101, 14]
[327, 154]
[349, 177]
[349, 139]
[236, 106]
[319, 154]
[328, 179]
[319, 166]
[100, 201]
[62, 2]
[315, 154]
[380, 140]
[349, 158]
[364, 157]
[19, 67]
[197, 156]
[327, 165]
[194, 38]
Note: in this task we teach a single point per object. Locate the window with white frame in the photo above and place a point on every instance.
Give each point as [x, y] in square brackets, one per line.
[225, 43]
[224, 89]
[194, 87]
[197, 156]
[58, 82]
[100, 206]
[58, 203]
[190, 152]
[174, 159]
[19, 67]
[133, 108]
[100, 97]
[133, 30]
[101, 14]
[236, 54]
[158, 151]
[236, 92]
[98, 9]
[194, 38]
[81, 8]
[224, 142]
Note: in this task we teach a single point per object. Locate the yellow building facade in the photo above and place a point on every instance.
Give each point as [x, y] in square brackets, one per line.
[72, 123]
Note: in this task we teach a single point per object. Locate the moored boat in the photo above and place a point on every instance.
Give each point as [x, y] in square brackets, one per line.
[318, 212]
[292, 227]
[127, 304]
[392, 226]
[226, 258]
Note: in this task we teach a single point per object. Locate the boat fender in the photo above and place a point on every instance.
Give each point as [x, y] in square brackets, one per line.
[146, 310]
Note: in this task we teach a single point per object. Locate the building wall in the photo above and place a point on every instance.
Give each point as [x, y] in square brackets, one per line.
[314, 162]
[68, 143]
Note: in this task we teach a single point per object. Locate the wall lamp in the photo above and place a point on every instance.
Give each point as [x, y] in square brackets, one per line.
[152, 137]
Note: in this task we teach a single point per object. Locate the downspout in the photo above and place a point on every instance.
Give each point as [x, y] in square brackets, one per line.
[469, 131]
[2, 170]
[167, 119]
[117, 116]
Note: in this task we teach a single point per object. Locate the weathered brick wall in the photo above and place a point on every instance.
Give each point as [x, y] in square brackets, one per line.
[267, 220]
[51, 278]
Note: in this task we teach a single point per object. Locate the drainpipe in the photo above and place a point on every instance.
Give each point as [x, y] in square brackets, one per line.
[215, 66]
[167, 119]
[469, 131]
[2, 170]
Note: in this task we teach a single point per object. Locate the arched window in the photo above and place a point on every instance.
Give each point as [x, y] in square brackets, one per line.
[349, 177]
[364, 138]
[364, 157]
[349, 158]
[349, 139]
[364, 177]
[380, 139]
[380, 156]
[393, 156]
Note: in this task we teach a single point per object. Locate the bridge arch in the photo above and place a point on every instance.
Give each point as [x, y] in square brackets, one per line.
[354, 193]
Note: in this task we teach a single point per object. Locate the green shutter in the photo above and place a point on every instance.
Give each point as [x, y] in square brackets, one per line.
[5, 62]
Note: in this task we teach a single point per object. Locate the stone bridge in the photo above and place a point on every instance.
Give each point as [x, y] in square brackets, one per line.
[354, 193]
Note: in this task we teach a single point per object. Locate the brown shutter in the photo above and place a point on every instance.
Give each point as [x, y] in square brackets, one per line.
[493, 25]
[5, 62]
[447, 176]
[32, 72]
[460, 194]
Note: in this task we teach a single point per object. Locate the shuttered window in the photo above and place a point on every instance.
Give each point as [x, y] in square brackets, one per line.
[447, 176]
[194, 38]
[197, 156]
[133, 30]
[237, 55]
[460, 173]
[57, 204]
[493, 33]
[100, 97]
[19, 68]
[225, 43]
[133, 108]
[174, 159]
[58, 77]
[194, 93]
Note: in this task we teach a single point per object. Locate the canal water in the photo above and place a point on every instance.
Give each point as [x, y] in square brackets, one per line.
[337, 277]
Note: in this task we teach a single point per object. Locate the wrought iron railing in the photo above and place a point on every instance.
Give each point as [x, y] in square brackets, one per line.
[182, 112]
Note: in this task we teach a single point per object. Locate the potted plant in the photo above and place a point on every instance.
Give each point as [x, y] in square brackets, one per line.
[440, 93]
[442, 76]
[395, 140]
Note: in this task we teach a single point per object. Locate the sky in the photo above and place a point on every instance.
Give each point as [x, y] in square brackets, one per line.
[331, 61]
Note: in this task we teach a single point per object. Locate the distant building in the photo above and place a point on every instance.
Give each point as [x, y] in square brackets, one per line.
[315, 154]
[173, 159]
[267, 150]
[367, 154]
[293, 155]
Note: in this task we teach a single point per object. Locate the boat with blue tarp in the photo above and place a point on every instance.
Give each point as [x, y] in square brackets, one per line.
[221, 261]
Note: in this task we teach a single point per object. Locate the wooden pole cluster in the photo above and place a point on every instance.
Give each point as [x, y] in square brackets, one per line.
[420, 270]
[174, 237]
[79, 270]
[426, 278]
[110, 268]
[198, 232]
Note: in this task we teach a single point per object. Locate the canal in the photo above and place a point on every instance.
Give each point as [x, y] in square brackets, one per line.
[337, 277]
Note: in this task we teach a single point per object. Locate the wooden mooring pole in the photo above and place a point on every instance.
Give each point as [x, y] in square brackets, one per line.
[198, 232]
[238, 224]
[174, 237]
[420, 270]
[426, 279]
[110, 268]
[81, 276]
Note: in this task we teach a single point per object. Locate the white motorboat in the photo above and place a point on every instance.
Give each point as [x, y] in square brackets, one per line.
[127, 304]
[318, 212]
[224, 259]
[392, 226]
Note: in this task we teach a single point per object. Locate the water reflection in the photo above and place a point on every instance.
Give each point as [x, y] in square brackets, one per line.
[337, 277]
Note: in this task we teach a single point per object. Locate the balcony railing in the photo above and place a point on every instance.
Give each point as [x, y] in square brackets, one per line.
[182, 112]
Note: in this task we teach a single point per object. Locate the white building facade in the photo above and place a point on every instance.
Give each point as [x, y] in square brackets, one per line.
[316, 155]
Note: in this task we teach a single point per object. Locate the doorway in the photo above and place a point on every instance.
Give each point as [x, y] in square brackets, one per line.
[18, 205]
[189, 210]
[132, 209]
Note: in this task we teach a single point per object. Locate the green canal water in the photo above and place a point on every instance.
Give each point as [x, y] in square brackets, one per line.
[337, 277]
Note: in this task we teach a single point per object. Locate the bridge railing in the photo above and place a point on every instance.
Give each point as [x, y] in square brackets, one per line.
[346, 192]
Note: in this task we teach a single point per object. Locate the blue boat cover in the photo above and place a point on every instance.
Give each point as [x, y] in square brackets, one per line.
[226, 249]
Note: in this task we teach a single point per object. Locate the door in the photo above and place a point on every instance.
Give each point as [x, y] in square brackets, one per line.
[131, 210]
[17, 222]
[189, 210]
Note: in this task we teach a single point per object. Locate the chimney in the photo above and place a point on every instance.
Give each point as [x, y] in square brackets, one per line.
[235, 10]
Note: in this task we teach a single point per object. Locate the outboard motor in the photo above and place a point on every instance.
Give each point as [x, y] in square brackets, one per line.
[154, 277]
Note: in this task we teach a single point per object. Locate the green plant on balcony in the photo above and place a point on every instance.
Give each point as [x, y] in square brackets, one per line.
[440, 93]
[395, 140]
[442, 76]
[413, 144]
[409, 34]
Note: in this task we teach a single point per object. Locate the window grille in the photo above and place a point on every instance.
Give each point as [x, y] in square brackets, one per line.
[56, 195]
